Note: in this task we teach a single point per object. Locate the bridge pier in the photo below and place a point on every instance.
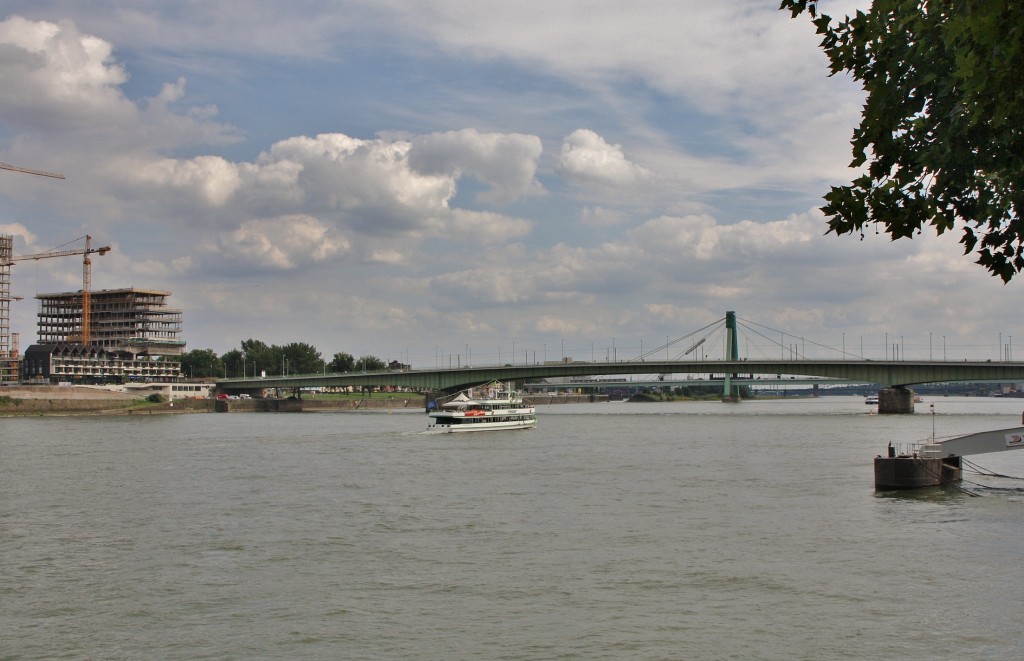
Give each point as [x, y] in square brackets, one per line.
[896, 400]
[731, 394]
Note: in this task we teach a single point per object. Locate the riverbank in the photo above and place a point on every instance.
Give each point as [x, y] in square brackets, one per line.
[85, 400]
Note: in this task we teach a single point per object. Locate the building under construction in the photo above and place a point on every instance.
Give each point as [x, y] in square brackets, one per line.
[132, 336]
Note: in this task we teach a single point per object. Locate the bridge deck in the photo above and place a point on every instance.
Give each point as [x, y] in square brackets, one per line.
[885, 373]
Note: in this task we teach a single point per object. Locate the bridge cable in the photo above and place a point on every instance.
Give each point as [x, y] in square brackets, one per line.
[657, 350]
[986, 472]
[747, 322]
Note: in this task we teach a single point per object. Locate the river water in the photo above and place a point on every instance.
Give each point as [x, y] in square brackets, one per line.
[611, 531]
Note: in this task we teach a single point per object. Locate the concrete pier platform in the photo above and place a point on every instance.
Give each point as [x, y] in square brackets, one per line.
[913, 471]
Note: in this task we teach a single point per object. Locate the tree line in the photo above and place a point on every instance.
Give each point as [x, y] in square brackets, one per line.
[256, 358]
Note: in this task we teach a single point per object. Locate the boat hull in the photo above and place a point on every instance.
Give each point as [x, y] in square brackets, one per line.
[450, 427]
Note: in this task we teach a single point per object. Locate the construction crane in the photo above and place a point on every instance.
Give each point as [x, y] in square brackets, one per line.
[41, 173]
[7, 355]
[86, 334]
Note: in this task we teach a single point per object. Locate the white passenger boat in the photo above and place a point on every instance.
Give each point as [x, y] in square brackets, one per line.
[871, 400]
[494, 410]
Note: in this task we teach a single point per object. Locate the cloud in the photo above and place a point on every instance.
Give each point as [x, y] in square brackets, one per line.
[506, 162]
[367, 184]
[210, 179]
[53, 75]
[366, 190]
[485, 227]
[58, 81]
[601, 217]
[586, 158]
[19, 231]
[281, 244]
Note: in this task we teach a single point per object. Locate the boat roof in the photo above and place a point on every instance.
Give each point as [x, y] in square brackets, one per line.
[464, 400]
[461, 400]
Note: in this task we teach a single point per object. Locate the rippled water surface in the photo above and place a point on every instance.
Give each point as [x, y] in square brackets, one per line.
[611, 531]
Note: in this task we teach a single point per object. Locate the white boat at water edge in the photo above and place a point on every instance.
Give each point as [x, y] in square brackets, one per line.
[871, 400]
[497, 409]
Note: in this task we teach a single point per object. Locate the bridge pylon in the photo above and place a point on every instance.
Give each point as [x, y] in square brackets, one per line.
[731, 393]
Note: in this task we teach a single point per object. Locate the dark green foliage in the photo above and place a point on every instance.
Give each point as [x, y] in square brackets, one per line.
[256, 358]
[156, 398]
[201, 364]
[342, 362]
[370, 364]
[941, 138]
[302, 358]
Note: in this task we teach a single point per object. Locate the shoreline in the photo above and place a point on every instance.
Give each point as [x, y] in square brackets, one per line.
[55, 401]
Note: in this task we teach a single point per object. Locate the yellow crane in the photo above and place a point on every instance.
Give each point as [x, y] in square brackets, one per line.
[8, 356]
[86, 334]
[41, 173]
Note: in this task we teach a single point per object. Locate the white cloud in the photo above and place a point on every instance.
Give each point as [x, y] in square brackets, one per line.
[365, 189]
[587, 158]
[283, 243]
[19, 231]
[51, 73]
[507, 162]
[211, 178]
[703, 239]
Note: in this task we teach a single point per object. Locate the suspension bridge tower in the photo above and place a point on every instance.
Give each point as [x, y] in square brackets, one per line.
[732, 353]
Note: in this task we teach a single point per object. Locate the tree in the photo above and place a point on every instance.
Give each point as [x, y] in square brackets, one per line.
[370, 364]
[201, 363]
[342, 362]
[942, 129]
[234, 363]
[302, 358]
[259, 357]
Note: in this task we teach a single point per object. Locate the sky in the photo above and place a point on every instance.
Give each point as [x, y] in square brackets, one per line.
[439, 182]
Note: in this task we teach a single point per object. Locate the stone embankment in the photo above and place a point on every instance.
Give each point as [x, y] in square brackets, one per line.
[85, 400]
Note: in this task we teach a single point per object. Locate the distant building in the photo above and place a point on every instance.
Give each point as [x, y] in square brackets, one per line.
[134, 336]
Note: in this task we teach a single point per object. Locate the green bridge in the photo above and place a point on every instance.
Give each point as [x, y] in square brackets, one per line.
[893, 375]
[889, 374]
